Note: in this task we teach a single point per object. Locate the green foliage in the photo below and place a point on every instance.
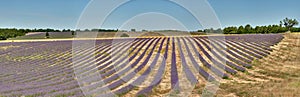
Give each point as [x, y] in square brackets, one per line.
[200, 31]
[295, 29]
[44, 30]
[133, 30]
[289, 23]
[230, 30]
[142, 95]
[66, 30]
[257, 30]
[241, 30]
[107, 30]
[10, 33]
[73, 33]
[47, 35]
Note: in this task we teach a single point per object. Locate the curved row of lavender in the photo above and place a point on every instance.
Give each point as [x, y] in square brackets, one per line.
[46, 69]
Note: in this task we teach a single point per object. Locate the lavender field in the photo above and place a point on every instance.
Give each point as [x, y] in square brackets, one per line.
[154, 66]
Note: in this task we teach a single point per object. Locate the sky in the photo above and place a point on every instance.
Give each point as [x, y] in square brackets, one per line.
[64, 14]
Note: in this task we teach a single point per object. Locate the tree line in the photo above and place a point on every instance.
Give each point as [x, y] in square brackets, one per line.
[284, 26]
[6, 33]
[10, 33]
[256, 30]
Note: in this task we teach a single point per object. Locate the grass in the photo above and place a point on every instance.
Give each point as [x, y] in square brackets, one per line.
[142, 95]
[121, 94]
[295, 84]
[272, 88]
[207, 93]
[289, 86]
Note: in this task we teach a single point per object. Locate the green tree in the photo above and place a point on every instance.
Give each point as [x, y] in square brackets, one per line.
[230, 30]
[241, 30]
[11, 33]
[47, 35]
[73, 33]
[199, 30]
[248, 29]
[133, 30]
[289, 23]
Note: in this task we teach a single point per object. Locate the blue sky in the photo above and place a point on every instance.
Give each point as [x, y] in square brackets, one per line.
[60, 14]
[255, 12]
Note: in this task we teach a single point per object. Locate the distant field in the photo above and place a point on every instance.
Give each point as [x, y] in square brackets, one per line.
[62, 35]
[42, 35]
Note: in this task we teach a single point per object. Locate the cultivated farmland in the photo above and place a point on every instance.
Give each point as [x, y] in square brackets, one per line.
[143, 66]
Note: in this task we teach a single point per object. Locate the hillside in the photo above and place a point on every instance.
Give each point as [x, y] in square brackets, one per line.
[273, 76]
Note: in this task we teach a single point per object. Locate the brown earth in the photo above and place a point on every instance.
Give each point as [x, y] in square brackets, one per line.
[277, 75]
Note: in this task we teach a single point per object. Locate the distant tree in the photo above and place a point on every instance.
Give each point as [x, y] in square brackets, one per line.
[47, 35]
[295, 29]
[107, 30]
[230, 30]
[200, 31]
[95, 30]
[3, 36]
[11, 33]
[248, 29]
[133, 30]
[280, 24]
[73, 33]
[258, 29]
[289, 23]
[241, 30]
[144, 30]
